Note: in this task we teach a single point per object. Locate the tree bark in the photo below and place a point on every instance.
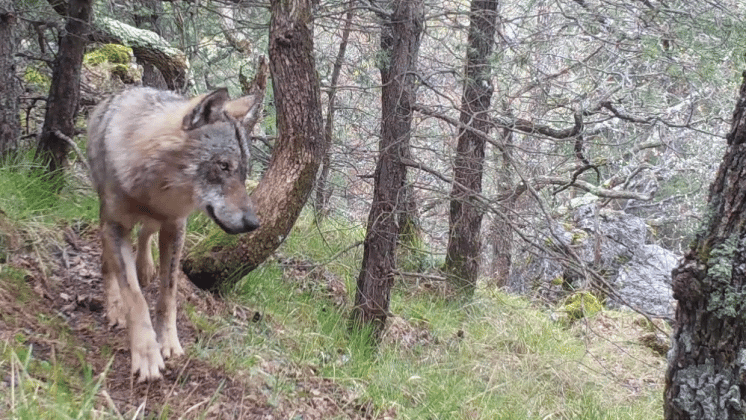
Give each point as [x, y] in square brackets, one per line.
[400, 41]
[288, 181]
[10, 123]
[464, 242]
[64, 92]
[706, 376]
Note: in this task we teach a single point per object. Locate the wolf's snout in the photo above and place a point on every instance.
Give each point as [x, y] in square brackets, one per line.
[233, 222]
[250, 222]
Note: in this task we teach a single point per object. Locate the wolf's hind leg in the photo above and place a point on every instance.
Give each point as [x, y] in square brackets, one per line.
[116, 313]
[144, 348]
[170, 242]
[145, 266]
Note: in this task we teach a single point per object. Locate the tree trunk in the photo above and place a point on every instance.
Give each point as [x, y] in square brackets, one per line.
[400, 41]
[285, 187]
[464, 242]
[410, 229]
[323, 192]
[148, 47]
[147, 16]
[10, 123]
[706, 376]
[64, 93]
[501, 231]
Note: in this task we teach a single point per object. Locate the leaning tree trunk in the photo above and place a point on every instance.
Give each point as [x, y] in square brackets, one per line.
[288, 181]
[10, 123]
[464, 242]
[706, 377]
[400, 42]
[64, 93]
[148, 48]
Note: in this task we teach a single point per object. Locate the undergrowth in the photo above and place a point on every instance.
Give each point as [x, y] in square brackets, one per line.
[34, 205]
[497, 357]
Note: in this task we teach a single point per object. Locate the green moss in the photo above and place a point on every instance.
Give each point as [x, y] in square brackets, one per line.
[112, 53]
[724, 299]
[703, 252]
[582, 304]
[721, 261]
[121, 71]
[623, 259]
[412, 251]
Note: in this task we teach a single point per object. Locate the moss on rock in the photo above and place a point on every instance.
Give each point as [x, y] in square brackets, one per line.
[582, 304]
[111, 53]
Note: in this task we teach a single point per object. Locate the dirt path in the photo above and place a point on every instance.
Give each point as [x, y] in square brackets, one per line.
[191, 387]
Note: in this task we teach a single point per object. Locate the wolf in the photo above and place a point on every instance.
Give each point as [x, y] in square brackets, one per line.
[156, 157]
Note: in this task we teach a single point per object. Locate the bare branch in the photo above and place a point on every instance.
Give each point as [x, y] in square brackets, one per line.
[593, 189]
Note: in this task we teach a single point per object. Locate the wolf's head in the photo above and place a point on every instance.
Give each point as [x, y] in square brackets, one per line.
[217, 129]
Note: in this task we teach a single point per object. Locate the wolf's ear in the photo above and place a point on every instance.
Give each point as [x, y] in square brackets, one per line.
[207, 111]
[245, 109]
[241, 107]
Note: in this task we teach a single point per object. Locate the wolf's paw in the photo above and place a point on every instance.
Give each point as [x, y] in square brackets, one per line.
[146, 357]
[145, 270]
[116, 315]
[170, 346]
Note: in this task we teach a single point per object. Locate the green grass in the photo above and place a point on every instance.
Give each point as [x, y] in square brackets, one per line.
[39, 389]
[27, 194]
[512, 361]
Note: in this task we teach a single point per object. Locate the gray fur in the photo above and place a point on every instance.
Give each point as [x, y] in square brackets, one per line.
[156, 157]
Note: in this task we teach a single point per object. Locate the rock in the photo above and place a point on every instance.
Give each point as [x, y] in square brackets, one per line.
[645, 282]
[613, 244]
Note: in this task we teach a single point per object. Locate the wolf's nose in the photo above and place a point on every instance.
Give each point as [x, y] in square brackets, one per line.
[250, 222]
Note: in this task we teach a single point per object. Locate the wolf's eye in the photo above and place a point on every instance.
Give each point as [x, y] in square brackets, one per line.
[224, 166]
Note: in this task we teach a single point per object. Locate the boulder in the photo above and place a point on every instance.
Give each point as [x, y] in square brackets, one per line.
[612, 243]
[644, 282]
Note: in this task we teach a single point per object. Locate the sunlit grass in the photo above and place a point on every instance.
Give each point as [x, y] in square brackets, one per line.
[34, 206]
[42, 390]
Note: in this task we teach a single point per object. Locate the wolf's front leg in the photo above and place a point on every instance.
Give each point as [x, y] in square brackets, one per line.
[144, 348]
[144, 261]
[170, 242]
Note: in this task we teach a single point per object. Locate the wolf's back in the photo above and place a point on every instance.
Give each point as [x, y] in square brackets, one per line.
[127, 133]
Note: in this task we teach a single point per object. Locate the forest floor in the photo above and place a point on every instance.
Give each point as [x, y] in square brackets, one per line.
[54, 340]
[277, 345]
[63, 319]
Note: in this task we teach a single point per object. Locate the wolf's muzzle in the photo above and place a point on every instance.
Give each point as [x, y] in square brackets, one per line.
[248, 222]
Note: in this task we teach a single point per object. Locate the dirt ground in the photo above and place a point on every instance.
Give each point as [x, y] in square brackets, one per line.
[191, 388]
